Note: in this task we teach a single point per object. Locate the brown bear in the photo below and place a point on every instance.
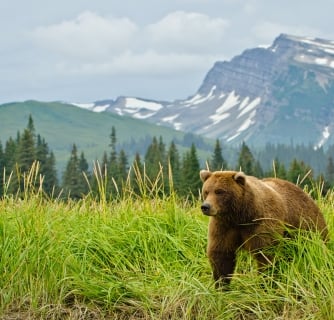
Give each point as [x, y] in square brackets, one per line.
[246, 212]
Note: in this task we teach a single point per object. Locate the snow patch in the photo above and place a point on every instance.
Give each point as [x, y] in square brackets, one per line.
[219, 117]
[143, 116]
[197, 99]
[325, 135]
[170, 119]
[233, 137]
[119, 111]
[178, 126]
[221, 112]
[88, 106]
[193, 99]
[322, 61]
[248, 122]
[134, 103]
[243, 103]
[250, 107]
[231, 101]
[91, 106]
[101, 108]
[244, 126]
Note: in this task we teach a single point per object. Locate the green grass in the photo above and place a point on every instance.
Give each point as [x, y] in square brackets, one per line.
[144, 258]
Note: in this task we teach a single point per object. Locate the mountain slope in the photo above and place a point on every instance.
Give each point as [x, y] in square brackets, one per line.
[62, 125]
[280, 94]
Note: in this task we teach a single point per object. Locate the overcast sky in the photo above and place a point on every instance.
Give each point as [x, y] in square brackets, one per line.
[84, 50]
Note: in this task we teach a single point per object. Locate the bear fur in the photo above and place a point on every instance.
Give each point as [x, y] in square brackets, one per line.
[249, 213]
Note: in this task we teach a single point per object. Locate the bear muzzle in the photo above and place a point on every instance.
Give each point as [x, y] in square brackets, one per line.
[206, 208]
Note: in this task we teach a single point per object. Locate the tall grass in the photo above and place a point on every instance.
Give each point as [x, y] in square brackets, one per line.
[144, 258]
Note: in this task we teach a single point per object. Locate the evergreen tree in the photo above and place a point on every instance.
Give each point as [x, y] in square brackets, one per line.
[162, 150]
[330, 171]
[246, 161]
[175, 166]
[10, 155]
[98, 178]
[153, 159]
[26, 151]
[137, 175]
[72, 177]
[2, 167]
[300, 173]
[123, 167]
[50, 184]
[191, 182]
[278, 170]
[104, 164]
[84, 170]
[113, 166]
[113, 173]
[47, 164]
[217, 162]
[257, 170]
[31, 126]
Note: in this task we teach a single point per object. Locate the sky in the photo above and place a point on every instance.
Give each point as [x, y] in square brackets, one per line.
[83, 51]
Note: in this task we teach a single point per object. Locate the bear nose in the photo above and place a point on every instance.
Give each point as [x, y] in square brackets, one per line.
[205, 207]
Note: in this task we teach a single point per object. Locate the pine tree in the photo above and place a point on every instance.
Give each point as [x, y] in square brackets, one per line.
[153, 160]
[26, 151]
[31, 126]
[47, 163]
[330, 171]
[123, 168]
[300, 173]
[85, 175]
[104, 164]
[191, 182]
[278, 170]
[217, 162]
[246, 161]
[113, 166]
[175, 166]
[10, 155]
[50, 184]
[137, 175]
[2, 168]
[72, 177]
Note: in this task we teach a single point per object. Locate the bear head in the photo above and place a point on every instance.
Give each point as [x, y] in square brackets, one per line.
[223, 193]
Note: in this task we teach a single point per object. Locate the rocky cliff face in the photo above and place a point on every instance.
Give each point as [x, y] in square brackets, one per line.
[280, 94]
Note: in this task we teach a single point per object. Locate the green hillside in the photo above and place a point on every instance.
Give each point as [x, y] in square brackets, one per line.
[62, 125]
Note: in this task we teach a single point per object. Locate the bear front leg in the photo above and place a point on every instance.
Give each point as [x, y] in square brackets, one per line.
[223, 264]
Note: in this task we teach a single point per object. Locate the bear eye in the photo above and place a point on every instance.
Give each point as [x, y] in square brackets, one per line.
[219, 191]
[205, 194]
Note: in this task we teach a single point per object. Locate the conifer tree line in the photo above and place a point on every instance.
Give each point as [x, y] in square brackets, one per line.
[161, 168]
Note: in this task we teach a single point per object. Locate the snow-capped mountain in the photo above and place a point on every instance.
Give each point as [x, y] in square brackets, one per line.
[279, 94]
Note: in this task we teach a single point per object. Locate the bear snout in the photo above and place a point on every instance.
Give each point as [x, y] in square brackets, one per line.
[206, 208]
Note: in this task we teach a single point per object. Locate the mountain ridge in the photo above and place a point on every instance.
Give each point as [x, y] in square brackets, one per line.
[277, 94]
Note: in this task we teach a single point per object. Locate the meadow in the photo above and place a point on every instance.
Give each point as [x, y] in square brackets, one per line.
[143, 257]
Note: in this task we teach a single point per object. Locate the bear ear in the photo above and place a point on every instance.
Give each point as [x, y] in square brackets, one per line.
[240, 178]
[204, 175]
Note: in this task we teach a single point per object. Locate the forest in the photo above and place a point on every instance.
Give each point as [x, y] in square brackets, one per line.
[162, 166]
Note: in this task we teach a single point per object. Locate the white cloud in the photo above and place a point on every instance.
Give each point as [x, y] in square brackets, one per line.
[92, 44]
[187, 32]
[89, 36]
